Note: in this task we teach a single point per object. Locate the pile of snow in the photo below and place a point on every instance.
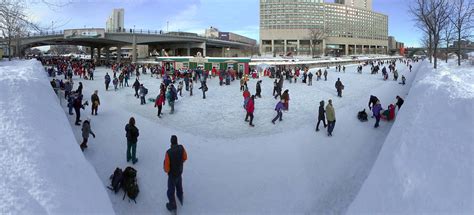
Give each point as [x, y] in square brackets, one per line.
[43, 169]
[426, 163]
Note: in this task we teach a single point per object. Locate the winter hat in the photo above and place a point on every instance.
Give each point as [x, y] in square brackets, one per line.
[174, 140]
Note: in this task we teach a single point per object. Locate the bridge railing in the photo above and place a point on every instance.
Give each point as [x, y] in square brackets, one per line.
[44, 33]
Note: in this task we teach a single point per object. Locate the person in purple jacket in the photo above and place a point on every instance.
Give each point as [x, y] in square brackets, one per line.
[278, 108]
[376, 111]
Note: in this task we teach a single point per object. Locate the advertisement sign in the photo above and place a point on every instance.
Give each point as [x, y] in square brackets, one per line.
[224, 35]
[84, 33]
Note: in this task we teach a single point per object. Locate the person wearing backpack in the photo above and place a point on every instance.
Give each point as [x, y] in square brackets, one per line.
[132, 134]
[86, 131]
[143, 92]
[173, 166]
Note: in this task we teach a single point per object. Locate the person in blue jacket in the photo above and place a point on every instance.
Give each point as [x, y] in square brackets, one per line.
[278, 108]
[376, 111]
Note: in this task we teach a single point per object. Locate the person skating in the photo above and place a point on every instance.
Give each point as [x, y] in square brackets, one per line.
[132, 134]
[126, 79]
[79, 89]
[325, 75]
[204, 89]
[339, 87]
[372, 102]
[115, 83]
[107, 81]
[376, 111]
[86, 131]
[180, 88]
[171, 97]
[258, 89]
[286, 99]
[400, 102]
[395, 75]
[173, 166]
[403, 80]
[191, 85]
[160, 101]
[331, 117]
[143, 92]
[67, 89]
[275, 87]
[250, 108]
[321, 115]
[310, 79]
[278, 108]
[95, 102]
[136, 86]
[77, 108]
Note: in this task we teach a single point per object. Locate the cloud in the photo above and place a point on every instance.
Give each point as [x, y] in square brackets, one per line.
[185, 20]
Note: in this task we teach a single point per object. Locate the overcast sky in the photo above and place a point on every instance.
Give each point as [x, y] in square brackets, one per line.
[238, 16]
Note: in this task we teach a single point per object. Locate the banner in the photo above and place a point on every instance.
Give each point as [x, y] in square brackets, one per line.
[84, 33]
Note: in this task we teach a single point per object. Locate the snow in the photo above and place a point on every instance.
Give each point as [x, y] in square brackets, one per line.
[426, 162]
[42, 169]
[233, 168]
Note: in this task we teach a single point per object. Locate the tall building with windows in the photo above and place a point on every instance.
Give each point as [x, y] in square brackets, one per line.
[366, 4]
[305, 27]
[115, 20]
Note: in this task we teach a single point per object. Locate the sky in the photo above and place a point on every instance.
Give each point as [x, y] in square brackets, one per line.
[238, 16]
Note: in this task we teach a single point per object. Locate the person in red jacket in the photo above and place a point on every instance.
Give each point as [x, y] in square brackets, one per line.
[173, 166]
[250, 108]
[160, 101]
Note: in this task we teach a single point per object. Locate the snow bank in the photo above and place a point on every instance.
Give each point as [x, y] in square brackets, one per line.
[42, 172]
[426, 163]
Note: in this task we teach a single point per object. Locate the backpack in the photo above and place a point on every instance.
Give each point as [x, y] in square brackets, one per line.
[116, 180]
[129, 183]
[362, 116]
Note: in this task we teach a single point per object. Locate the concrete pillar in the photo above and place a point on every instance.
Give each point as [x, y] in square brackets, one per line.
[188, 50]
[134, 49]
[223, 52]
[92, 53]
[368, 49]
[98, 54]
[119, 53]
[311, 47]
[107, 54]
[324, 47]
[284, 48]
[297, 47]
[355, 49]
[203, 46]
[273, 47]
[346, 51]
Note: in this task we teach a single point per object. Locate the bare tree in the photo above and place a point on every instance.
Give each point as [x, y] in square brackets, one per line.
[434, 15]
[448, 36]
[316, 35]
[14, 22]
[462, 20]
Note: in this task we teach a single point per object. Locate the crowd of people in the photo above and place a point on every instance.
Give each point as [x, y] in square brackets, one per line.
[185, 80]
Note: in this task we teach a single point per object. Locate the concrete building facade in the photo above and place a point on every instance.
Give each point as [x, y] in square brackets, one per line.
[287, 27]
[115, 22]
[213, 32]
[365, 4]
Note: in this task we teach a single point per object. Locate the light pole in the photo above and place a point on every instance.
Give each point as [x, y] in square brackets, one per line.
[133, 28]
[167, 26]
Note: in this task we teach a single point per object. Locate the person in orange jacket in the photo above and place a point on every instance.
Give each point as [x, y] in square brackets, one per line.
[173, 166]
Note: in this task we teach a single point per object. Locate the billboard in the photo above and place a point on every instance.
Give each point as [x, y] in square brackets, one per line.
[224, 35]
[84, 33]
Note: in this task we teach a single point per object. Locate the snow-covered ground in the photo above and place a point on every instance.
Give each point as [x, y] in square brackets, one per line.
[233, 168]
[42, 169]
[426, 163]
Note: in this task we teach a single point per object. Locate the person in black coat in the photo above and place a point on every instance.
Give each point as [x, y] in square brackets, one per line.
[372, 101]
[321, 116]
[136, 86]
[339, 87]
[132, 134]
[258, 89]
[79, 89]
[77, 104]
[173, 166]
[399, 102]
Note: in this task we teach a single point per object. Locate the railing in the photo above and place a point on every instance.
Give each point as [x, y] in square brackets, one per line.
[45, 33]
